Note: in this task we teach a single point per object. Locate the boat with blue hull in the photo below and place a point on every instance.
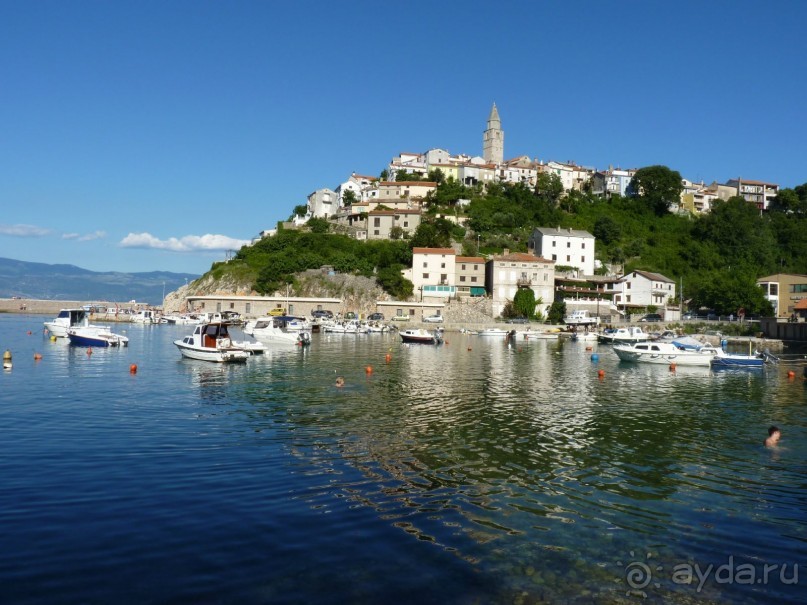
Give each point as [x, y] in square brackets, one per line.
[95, 336]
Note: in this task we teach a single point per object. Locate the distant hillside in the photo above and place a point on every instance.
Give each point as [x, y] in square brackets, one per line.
[68, 282]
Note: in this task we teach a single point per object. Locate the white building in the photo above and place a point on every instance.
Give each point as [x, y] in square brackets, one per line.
[357, 183]
[323, 203]
[507, 273]
[433, 272]
[643, 288]
[569, 247]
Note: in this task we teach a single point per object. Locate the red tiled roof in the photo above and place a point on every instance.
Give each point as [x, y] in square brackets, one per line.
[470, 259]
[390, 212]
[423, 183]
[433, 251]
[801, 305]
[521, 257]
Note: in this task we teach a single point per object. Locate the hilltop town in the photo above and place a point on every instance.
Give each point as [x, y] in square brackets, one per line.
[426, 201]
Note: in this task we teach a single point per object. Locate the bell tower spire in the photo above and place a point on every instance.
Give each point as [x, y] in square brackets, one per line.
[493, 139]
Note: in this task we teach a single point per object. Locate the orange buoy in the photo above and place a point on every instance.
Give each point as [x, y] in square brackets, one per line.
[445, 342]
[37, 356]
[340, 382]
[388, 358]
[29, 332]
[133, 368]
[672, 367]
[369, 369]
[791, 374]
[601, 374]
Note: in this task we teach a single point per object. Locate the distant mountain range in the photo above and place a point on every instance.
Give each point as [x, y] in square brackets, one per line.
[68, 282]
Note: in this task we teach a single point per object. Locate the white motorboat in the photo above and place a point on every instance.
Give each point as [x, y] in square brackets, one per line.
[276, 329]
[581, 317]
[623, 336]
[541, 335]
[211, 342]
[421, 336]
[144, 316]
[95, 336]
[666, 353]
[67, 318]
[497, 332]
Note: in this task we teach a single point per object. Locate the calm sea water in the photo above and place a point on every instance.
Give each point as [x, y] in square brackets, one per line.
[468, 473]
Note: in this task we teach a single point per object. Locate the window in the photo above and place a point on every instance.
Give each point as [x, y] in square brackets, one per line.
[582, 259]
[443, 278]
[406, 223]
[442, 265]
[627, 298]
[473, 279]
[425, 276]
[291, 309]
[798, 288]
[583, 246]
[376, 232]
[249, 308]
[463, 267]
[462, 278]
[568, 258]
[425, 264]
[774, 291]
[232, 305]
[554, 257]
[568, 244]
[377, 221]
[628, 283]
[218, 307]
[399, 312]
[554, 243]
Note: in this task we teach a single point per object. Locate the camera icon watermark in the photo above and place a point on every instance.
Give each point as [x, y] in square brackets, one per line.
[644, 573]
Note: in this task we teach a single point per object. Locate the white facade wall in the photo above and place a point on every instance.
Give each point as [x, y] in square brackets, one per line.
[569, 247]
[642, 290]
[433, 267]
[322, 203]
[509, 273]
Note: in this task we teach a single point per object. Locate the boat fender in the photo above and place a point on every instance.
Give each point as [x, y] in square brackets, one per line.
[7, 360]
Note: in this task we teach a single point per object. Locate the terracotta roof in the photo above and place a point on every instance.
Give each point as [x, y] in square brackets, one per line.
[801, 305]
[433, 251]
[423, 183]
[522, 257]
[390, 212]
[470, 259]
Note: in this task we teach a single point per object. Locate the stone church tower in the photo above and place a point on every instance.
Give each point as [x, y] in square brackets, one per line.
[493, 139]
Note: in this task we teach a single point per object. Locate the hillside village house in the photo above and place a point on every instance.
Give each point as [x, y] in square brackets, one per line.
[569, 247]
[415, 190]
[572, 176]
[758, 193]
[785, 291]
[322, 203]
[469, 278]
[507, 273]
[613, 181]
[640, 289]
[433, 272]
[381, 222]
[358, 184]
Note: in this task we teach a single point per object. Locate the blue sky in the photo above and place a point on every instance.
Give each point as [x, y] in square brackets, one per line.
[155, 135]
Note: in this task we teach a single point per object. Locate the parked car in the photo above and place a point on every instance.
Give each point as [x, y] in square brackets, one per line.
[433, 319]
[652, 317]
[375, 317]
[400, 318]
[322, 314]
[518, 320]
[276, 312]
[689, 316]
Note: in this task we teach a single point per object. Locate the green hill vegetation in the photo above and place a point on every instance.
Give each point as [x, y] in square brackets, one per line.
[718, 256]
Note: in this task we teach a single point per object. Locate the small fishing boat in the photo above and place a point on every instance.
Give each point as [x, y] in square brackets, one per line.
[541, 335]
[95, 336]
[752, 359]
[212, 342]
[623, 336]
[421, 336]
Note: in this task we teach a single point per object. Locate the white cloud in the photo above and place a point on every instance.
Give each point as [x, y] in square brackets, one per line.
[189, 243]
[85, 238]
[24, 230]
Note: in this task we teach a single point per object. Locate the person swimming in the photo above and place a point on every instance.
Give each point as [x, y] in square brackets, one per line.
[774, 434]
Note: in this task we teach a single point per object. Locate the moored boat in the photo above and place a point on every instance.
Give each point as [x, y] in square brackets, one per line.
[421, 336]
[212, 342]
[623, 336]
[278, 329]
[497, 332]
[67, 318]
[665, 353]
[95, 336]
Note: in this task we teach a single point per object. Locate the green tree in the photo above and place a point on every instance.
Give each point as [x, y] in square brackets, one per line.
[318, 225]
[437, 176]
[657, 187]
[384, 176]
[606, 230]
[557, 311]
[349, 197]
[391, 279]
[549, 186]
[396, 232]
[300, 210]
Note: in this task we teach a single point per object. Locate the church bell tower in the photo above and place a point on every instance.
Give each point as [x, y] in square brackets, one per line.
[493, 139]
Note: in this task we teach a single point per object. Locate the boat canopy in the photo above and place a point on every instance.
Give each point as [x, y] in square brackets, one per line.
[687, 342]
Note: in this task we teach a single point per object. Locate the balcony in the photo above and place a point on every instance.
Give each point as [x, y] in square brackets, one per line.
[524, 282]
